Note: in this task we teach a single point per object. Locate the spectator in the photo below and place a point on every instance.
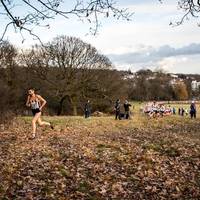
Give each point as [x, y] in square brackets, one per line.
[117, 110]
[182, 112]
[174, 111]
[127, 106]
[179, 111]
[193, 110]
[87, 109]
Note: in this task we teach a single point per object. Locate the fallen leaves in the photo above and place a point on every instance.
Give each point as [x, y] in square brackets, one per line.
[88, 162]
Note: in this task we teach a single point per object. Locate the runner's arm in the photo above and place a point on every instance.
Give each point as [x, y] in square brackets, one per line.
[41, 100]
[28, 102]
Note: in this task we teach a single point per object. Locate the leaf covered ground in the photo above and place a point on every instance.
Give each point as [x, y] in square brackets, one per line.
[101, 158]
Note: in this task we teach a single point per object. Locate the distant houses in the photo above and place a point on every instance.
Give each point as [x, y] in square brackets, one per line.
[157, 85]
[175, 76]
[173, 79]
[195, 85]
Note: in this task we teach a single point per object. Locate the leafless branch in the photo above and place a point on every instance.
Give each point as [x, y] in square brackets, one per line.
[191, 8]
[39, 11]
[5, 30]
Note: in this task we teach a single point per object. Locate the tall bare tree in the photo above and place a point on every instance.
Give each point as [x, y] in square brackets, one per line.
[68, 67]
[10, 80]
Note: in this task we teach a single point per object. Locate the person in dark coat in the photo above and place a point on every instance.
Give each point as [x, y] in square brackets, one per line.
[127, 106]
[182, 112]
[87, 109]
[117, 110]
[174, 111]
[179, 111]
[193, 110]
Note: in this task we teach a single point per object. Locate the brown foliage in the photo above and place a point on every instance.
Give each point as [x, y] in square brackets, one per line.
[103, 159]
[180, 90]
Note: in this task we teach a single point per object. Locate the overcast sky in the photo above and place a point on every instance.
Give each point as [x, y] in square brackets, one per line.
[145, 42]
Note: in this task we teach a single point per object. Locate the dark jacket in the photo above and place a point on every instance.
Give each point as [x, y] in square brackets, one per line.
[193, 108]
[117, 106]
[87, 107]
[126, 107]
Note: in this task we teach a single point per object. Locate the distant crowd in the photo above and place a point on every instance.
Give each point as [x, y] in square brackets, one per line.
[154, 109]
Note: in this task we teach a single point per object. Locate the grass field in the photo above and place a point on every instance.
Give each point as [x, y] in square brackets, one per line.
[101, 158]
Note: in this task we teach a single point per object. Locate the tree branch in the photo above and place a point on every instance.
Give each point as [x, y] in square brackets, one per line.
[5, 30]
[7, 10]
[46, 16]
[89, 11]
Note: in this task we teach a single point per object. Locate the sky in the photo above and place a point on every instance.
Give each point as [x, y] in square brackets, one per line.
[147, 41]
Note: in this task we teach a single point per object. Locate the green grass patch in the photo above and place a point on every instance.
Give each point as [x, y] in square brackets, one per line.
[163, 149]
[84, 187]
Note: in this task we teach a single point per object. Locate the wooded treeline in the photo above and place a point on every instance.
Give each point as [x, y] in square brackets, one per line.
[148, 85]
[67, 72]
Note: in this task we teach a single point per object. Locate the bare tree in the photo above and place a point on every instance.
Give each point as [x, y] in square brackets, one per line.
[7, 54]
[9, 81]
[27, 14]
[66, 65]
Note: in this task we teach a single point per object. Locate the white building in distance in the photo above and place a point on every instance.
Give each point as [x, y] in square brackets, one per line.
[195, 85]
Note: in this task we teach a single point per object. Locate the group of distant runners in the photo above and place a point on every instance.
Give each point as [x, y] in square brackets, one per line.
[154, 109]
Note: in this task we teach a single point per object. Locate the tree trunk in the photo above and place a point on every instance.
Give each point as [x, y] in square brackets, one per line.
[74, 110]
[74, 105]
[61, 106]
